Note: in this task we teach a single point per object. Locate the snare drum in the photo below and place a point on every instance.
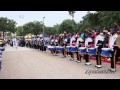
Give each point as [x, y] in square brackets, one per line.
[49, 47]
[61, 48]
[2, 48]
[58, 48]
[52, 48]
[73, 49]
[92, 51]
[68, 48]
[105, 52]
[82, 50]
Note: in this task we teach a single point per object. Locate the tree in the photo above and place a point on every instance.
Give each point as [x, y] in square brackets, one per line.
[52, 30]
[35, 28]
[109, 18]
[100, 19]
[20, 31]
[7, 25]
[68, 25]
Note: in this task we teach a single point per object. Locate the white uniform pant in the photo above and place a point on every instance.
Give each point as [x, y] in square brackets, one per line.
[15, 44]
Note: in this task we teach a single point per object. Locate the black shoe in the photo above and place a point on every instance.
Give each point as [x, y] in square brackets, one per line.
[112, 70]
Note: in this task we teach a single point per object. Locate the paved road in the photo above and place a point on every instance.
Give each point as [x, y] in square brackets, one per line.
[25, 63]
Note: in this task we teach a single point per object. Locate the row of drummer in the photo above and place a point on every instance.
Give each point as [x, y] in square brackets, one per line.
[88, 47]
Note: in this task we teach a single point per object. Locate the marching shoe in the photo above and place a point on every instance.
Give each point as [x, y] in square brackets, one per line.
[112, 70]
[96, 65]
[99, 66]
[72, 59]
[78, 61]
[88, 63]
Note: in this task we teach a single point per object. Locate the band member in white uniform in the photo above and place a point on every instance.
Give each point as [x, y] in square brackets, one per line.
[52, 43]
[72, 40]
[98, 45]
[79, 44]
[15, 43]
[111, 46]
[88, 44]
[56, 44]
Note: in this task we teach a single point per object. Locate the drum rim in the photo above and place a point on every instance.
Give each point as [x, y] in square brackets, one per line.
[57, 46]
[68, 46]
[82, 48]
[92, 48]
[73, 46]
[106, 49]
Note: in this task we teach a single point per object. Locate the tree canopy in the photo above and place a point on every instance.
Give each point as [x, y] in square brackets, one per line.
[96, 20]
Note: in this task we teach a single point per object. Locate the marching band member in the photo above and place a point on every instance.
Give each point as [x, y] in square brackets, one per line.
[88, 44]
[38, 41]
[43, 44]
[113, 49]
[64, 45]
[79, 44]
[34, 43]
[56, 44]
[68, 43]
[14, 42]
[106, 38]
[26, 43]
[72, 40]
[52, 42]
[98, 45]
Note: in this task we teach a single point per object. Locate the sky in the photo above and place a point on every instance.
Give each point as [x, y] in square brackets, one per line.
[51, 17]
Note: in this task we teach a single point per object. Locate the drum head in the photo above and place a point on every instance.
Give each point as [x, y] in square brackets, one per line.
[60, 47]
[106, 49]
[68, 46]
[91, 48]
[82, 48]
[51, 47]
